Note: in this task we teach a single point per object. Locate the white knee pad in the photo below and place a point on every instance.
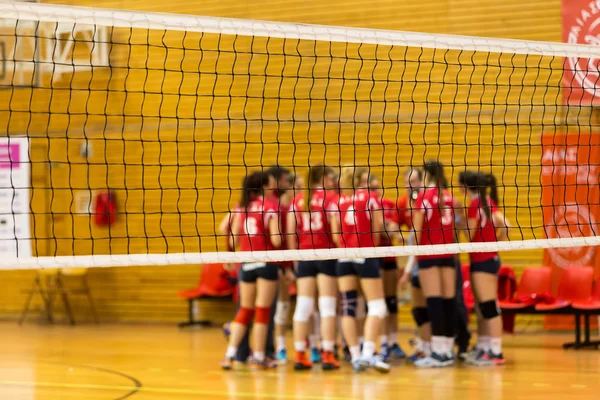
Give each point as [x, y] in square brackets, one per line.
[377, 308]
[282, 312]
[327, 306]
[305, 305]
[361, 308]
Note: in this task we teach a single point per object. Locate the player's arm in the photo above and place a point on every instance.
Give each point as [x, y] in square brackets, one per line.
[236, 225]
[501, 224]
[291, 237]
[418, 218]
[274, 229]
[377, 225]
[472, 227]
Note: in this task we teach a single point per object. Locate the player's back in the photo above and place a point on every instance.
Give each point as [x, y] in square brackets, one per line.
[355, 213]
[255, 225]
[313, 226]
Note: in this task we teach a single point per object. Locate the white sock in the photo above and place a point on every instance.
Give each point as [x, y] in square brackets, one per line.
[383, 339]
[300, 345]
[259, 355]
[449, 345]
[393, 338]
[438, 345]
[313, 341]
[427, 348]
[231, 352]
[483, 343]
[355, 352]
[280, 343]
[368, 349]
[328, 345]
[496, 345]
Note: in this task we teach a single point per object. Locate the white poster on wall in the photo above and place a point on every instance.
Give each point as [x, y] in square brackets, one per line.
[15, 183]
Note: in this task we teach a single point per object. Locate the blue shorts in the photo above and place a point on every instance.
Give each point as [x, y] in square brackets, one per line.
[388, 265]
[491, 266]
[363, 267]
[250, 272]
[437, 262]
[310, 269]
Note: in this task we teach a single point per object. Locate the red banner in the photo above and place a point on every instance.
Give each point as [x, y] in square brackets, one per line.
[581, 76]
[570, 202]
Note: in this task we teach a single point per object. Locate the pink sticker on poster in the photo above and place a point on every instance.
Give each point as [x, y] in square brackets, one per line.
[9, 155]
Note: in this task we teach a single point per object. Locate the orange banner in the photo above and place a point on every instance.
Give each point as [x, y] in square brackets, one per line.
[570, 202]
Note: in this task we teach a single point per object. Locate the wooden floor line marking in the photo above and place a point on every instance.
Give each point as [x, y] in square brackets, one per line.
[147, 389]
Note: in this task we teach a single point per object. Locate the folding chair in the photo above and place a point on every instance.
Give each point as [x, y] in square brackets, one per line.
[43, 282]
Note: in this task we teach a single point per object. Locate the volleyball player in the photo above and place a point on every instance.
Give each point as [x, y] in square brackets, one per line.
[309, 227]
[486, 223]
[282, 198]
[255, 228]
[389, 268]
[361, 222]
[433, 222]
[413, 182]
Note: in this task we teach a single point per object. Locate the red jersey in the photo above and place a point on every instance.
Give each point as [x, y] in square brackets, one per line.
[282, 211]
[355, 215]
[437, 228]
[390, 214]
[255, 225]
[486, 231]
[404, 217]
[313, 227]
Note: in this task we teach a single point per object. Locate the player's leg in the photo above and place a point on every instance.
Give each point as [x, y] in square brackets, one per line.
[372, 286]
[348, 285]
[485, 284]
[281, 319]
[421, 318]
[305, 306]
[243, 317]
[430, 279]
[314, 337]
[328, 294]
[266, 291]
[448, 273]
[390, 347]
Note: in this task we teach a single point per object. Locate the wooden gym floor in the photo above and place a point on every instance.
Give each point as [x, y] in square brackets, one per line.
[141, 362]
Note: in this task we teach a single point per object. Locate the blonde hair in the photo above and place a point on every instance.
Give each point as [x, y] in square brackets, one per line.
[350, 178]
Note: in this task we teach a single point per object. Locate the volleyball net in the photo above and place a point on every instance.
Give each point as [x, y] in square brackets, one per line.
[128, 134]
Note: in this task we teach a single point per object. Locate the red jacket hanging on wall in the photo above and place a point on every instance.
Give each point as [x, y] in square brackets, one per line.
[105, 208]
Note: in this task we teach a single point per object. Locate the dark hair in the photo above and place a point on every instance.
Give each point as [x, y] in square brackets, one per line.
[277, 171]
[314, 177]
[480, 182]
[253, 186]
[435, 170]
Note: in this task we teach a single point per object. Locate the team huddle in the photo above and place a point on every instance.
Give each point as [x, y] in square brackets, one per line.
[355, 299]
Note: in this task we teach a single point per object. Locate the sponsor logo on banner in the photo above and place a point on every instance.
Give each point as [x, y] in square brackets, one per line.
[581, 77]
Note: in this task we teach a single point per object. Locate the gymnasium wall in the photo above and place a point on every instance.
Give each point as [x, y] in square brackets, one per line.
[158, 163]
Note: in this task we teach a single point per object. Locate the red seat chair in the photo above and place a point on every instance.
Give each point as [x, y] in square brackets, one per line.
[593, 303]
[535, 281]
[468, 296]
[575, 285]
[214, 283]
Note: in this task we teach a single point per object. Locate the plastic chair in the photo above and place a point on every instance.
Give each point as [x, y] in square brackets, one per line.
[213, 284]
[575, 285]
[593, 303]
[535, 281]
[467, 290]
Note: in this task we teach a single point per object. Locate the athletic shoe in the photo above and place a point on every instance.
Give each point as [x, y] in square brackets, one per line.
[448, 359]
[329, 361]
[302, 363]
[395, 351]
[386, 354]
[488, 359]
[472, 355]
[417, 355]
[374, 362]
[347, 355]
[282, 357]
[357, 366]
[315, 355]
[227, 363]
[268, 363]
[433, 361]
[227, 330]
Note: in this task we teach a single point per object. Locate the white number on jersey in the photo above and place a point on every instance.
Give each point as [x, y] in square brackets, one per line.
[251, 226]
[446, 218]
[349, 218]
[312, 222]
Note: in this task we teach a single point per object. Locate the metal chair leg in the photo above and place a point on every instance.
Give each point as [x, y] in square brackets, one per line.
[65, 299]
[90, 299]
[28, 301]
